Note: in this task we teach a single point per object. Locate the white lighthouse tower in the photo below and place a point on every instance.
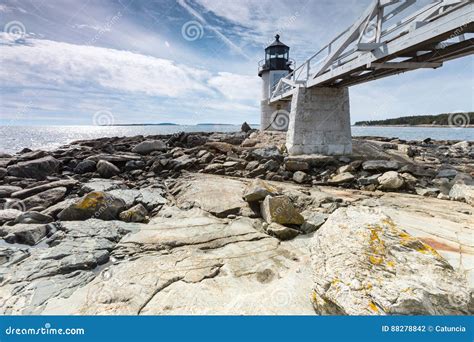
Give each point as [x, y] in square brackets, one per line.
[274, 116]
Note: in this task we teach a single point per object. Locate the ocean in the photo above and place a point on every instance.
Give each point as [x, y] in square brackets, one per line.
[15, 138]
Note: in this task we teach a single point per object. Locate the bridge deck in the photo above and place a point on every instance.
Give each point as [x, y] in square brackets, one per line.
[426, 39]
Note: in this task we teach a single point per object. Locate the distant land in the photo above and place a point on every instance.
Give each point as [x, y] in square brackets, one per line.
[173, 124]
[147, 124]
[214, 124]
[446, 119]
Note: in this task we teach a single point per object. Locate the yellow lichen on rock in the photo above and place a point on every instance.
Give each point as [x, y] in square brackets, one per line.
[91, 200]
[373, 307]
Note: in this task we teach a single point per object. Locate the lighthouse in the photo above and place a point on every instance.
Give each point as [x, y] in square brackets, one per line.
[277, 64]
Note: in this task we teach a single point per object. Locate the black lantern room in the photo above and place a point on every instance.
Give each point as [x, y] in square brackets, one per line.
[276, 57]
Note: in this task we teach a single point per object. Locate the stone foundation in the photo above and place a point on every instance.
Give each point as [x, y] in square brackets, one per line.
[319, 122]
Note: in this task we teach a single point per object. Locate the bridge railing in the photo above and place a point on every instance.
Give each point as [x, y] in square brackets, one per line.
[375, 28]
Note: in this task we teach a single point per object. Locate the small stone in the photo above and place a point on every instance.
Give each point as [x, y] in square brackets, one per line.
[249, 142]
[345, 177]
[137, 213]
[206, 158]
[214, 168]
[257, 190]
[252, 165]
[279, 209]
[429, 192]
[313, 220]
[134, 165]
[371, 180]
[267, 153]
[281, 232]
[296, 165]
[300, 177]
[272, 165]
[32, 217]
[345, 168]
[447, 173]
[107, 169]
[390, 180]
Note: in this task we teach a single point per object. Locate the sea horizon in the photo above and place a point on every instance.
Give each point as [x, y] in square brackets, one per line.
[15, 138]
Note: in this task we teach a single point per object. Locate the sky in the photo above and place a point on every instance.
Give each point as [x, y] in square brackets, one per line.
[69, 62]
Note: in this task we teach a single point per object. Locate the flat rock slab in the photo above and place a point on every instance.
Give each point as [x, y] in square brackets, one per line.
[212, 194]
[447, 226]
[364, 264]
[195, 263]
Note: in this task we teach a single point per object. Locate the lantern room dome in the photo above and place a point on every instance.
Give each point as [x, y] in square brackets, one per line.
[277, 57]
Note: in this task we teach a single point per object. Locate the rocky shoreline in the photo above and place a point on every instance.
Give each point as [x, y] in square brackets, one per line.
[229, 223]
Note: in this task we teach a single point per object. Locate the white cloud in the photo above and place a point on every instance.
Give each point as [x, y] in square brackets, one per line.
[237, 87]
[49, 63]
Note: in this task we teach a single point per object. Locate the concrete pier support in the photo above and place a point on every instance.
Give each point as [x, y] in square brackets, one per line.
[319, 122]
[274, 116]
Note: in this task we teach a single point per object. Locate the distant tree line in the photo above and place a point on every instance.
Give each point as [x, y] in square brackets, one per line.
[440, 119]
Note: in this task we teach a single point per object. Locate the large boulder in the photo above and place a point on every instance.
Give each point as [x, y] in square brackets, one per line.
[9, 214]
[462, 192]
[271, 152]
[106, 169]
[364, 264]
[45, 199]
[67, 183]
[149, 146]
[280, 209]
[390, 180]
[95, 204]
[245, 127]
[28, 234]
[7, 190]
[37, 168]
[257, 190]
[85, 166]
